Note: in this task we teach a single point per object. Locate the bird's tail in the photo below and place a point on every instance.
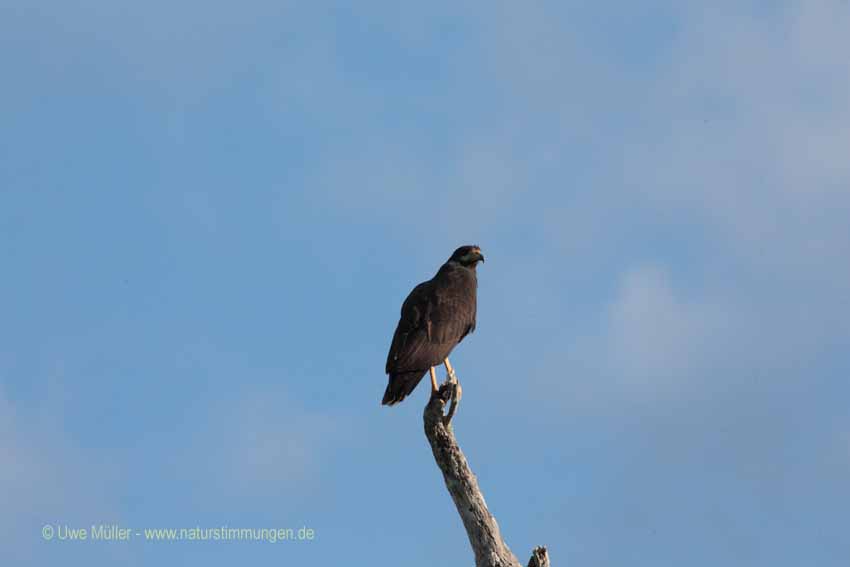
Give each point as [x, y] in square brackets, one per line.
[400, 385]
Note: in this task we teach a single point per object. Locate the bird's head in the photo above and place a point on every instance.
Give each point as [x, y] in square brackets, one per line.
[467, 256]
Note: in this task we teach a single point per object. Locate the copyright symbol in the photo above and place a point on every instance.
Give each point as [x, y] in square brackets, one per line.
[47, 532]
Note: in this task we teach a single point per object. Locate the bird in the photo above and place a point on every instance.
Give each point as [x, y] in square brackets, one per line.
[435, 318]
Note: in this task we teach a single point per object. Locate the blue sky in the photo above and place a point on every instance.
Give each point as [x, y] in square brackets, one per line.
[210, 215]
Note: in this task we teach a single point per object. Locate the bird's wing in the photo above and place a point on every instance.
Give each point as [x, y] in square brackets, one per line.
[453, 316]
[432, 322]
[411, 334]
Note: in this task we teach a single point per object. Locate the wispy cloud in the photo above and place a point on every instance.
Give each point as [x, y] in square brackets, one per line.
[257, 445]
[48, 478]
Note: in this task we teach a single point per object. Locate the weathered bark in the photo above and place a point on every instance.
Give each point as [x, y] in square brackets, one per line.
[484, 536]
[539, 557]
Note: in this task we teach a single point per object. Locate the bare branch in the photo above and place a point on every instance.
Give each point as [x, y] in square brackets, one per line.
[481, 527]
[539, 557]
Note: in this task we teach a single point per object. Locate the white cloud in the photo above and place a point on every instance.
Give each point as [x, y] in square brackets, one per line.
[742, 166]
[259, 444]
[46, 478]
[658, 338]
[757, 113]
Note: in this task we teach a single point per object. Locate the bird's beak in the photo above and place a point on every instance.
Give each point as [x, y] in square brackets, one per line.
[480, 256]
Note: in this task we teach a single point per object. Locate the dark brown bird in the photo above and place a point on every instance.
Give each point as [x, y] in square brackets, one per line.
[435, 317]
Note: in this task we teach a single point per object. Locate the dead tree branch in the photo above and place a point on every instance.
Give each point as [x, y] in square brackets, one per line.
[484, 536]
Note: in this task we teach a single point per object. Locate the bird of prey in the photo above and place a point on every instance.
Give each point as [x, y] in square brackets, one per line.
[435, 317]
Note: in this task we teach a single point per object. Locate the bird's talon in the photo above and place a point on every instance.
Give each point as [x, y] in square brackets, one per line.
[455, 390]
[444, 392]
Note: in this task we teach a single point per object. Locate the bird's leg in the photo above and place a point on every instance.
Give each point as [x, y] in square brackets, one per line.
[456, 390]
[434, 387]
